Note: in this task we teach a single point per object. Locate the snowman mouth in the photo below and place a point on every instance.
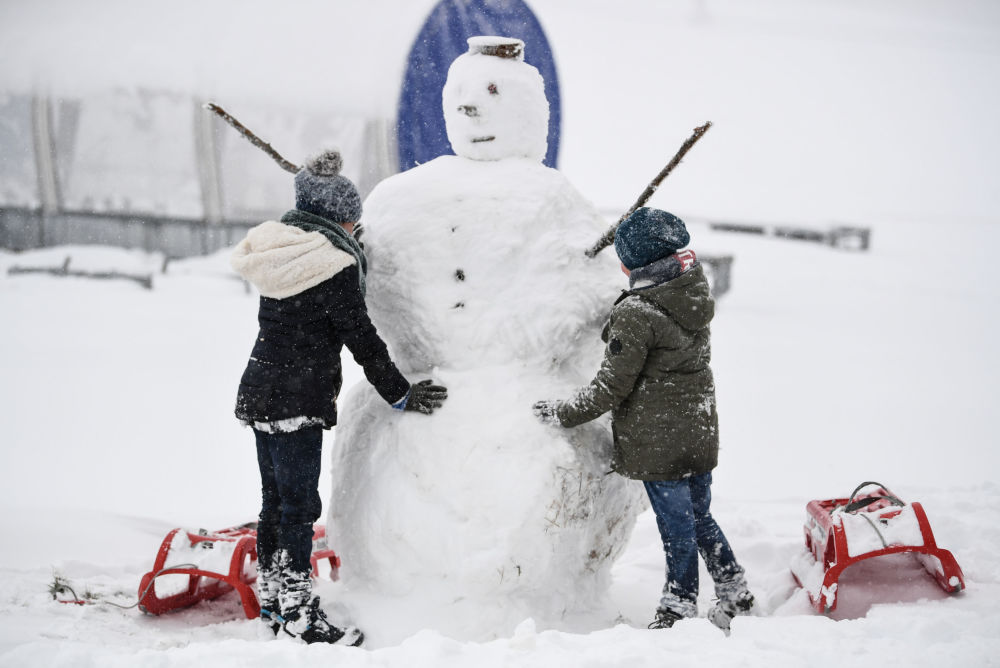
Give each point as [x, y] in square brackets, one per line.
[479, 140]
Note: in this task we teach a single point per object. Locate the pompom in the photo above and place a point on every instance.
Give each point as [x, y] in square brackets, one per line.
[327, 163]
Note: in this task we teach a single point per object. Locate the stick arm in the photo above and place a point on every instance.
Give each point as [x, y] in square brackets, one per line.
[608, 237]
[252, 138]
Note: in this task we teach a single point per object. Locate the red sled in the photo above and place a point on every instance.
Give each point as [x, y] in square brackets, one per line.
[842, 532]
[202, 566]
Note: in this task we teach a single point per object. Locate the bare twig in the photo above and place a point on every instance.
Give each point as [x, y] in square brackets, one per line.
[252, 138]
[608, 237]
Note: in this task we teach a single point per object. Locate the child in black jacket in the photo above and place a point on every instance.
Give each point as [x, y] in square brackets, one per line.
[310, 272]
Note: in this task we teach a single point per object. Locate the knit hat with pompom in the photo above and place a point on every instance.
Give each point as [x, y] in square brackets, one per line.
[322, 191]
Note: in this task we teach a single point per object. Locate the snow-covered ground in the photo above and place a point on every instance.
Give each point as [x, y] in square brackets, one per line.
[834, 367]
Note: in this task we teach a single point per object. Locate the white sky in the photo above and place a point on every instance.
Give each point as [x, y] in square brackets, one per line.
[824, 110]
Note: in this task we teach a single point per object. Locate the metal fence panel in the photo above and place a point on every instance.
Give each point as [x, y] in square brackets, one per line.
[134, 152]
[18, 177]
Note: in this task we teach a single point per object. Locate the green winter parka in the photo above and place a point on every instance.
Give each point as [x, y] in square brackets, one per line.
[656, 380]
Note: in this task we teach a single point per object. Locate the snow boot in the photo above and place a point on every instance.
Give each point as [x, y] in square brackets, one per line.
[724, 610]
[294, 587]
[303, 618]
[309, 623]
[268, 588]
[664, 619]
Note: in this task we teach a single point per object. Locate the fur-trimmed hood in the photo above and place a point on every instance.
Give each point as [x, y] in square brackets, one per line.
[282, 260]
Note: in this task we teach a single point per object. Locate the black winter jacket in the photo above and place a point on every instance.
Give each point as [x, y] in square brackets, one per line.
[294, 375]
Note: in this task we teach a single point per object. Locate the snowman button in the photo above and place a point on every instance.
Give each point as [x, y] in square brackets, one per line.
[459, 274]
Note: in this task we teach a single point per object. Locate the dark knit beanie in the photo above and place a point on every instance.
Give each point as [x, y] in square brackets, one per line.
[322, 191]
[648, 235]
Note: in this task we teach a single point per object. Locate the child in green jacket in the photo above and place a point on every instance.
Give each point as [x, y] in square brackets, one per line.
[656, 380]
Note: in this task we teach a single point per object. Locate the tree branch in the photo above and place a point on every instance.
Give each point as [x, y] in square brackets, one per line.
[609, 237]
[252, 138]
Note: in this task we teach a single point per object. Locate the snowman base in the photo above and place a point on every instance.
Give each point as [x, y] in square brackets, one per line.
[480, 501]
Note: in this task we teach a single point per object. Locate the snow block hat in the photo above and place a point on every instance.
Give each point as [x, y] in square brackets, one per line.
[648, 235]
[322, 191]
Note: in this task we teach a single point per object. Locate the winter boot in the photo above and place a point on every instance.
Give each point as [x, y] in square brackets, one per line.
[303, 618]
[309, 623]
[664, 619]
[268, 588]
[722, 613]
[294, 589]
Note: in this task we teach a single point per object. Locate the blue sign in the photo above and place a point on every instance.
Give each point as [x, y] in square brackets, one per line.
[420, 128]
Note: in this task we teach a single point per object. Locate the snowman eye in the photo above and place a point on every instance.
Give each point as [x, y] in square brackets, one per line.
[492, 88]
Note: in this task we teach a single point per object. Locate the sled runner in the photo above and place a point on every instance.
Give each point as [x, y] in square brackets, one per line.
[203, 565]
[842, 532]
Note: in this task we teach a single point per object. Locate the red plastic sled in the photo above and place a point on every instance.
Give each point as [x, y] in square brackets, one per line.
[220, 561]
[842, 532]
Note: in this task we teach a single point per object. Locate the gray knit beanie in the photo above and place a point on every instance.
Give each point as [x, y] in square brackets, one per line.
[322, 191]
[648, 235]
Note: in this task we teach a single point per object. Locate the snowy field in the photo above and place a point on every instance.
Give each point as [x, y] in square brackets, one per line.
[834, 367]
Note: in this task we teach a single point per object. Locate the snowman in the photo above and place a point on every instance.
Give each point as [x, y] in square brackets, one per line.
[478, 278]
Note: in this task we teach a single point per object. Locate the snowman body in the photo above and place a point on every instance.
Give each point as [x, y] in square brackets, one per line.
[478, 279]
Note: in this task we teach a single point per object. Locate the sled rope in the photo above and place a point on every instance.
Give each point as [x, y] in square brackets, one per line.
[61, 586]
[875, 529]
[853, 506]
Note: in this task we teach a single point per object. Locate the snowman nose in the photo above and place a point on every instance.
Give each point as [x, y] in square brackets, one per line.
[469, 110]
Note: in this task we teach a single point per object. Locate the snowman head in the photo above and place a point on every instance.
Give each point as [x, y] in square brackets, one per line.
[494, 102]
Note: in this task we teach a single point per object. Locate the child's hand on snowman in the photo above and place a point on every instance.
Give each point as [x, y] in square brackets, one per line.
[423, 397]
[547, 411]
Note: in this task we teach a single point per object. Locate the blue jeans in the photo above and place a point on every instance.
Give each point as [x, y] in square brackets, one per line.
[687, 529]
[290, 504]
